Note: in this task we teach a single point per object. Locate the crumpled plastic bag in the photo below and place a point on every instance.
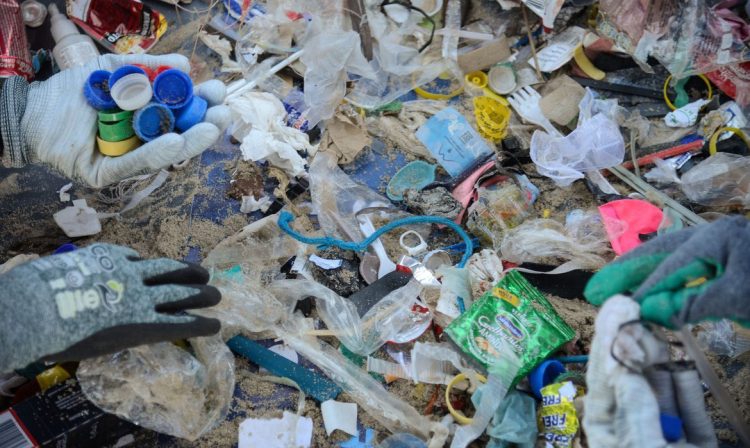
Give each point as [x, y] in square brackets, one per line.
[362, 335]
[663, 173]
[163, 387]
[722, 179]
[596, 143]
[582, 240]
[258, 121]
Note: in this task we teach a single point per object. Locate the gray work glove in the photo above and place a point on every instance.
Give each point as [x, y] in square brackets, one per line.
[691, 275]
[98, 300]
[59, 126]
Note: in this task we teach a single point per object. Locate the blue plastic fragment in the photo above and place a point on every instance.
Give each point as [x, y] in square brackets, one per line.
[311, 383]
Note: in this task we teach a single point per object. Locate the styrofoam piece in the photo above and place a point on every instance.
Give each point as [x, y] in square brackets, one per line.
[132, 91]
[78, 219]
[338, 415]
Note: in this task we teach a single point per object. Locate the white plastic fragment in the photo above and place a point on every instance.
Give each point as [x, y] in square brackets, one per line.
[685, 116]
[282, 350]
[338, 415]
[250, 204]
[78, 219]
[325, 263]
[63, 191]
[223, 48]
[289, 431]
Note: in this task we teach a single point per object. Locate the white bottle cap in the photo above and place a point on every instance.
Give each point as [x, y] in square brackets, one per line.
[132, 91]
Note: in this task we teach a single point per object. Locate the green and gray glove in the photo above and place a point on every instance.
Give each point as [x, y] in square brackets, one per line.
[695, 274]
[51, 122]
[98, 300]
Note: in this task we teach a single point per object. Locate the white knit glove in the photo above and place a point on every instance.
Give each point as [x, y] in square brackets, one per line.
[59, 126]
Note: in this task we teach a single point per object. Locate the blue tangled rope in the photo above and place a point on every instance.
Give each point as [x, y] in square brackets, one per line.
[285, 218]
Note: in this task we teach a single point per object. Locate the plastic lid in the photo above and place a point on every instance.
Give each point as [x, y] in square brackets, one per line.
[502, 78]
[33, 13]
[67, 247]
[96, 90]
[152, 121]
[173, 88]
[132, 91]
[114, 149]
[124, 71]
[192, 114]
[671, 427]
[544, 374]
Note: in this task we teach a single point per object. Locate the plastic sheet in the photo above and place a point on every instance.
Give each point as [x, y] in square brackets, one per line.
[722, 179]
[163, 387]
[336, 198]
[362, 335]
[582, 240]
[724, 337]
[392, 412]
[328, 58]
[260, 249]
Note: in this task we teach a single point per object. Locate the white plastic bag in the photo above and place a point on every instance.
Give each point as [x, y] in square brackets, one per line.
[595, 144]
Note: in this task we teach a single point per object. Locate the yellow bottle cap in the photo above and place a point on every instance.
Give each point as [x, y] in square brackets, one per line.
[114, 149]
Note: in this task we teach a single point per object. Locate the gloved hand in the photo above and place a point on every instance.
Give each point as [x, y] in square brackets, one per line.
[59, 126]
[691, 275]
[98, 300]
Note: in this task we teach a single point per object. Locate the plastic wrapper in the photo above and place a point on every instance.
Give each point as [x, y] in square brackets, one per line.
[163, 387]
[388, 318]
[722, 179]
[582, 240]
[514, 422]
[687, 37]
[498, 209]
[664, 172]
[724, 337]
[120, 26]
[595, 144]
[260, 249]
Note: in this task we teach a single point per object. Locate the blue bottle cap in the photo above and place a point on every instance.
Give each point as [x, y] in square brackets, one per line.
[124, 71]
[67, 247]
[173, 88]
[191, 114]
[152, 121]
[96, 90]
[544, 374]
[671, 427]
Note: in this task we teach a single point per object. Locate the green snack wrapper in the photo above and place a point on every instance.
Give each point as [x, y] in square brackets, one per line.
[513, 319]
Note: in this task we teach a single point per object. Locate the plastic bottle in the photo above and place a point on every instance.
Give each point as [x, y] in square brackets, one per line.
[71, 47]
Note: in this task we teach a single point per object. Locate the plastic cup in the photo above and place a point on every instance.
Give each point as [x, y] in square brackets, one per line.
[153, 121]
[173, 88]
[132, 91]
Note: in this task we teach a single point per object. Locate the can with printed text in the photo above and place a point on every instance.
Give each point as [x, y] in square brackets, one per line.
[15, 57]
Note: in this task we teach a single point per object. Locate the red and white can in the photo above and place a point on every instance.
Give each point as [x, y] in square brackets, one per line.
[15, 57]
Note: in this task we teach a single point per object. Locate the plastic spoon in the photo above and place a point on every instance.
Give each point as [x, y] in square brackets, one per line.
[386, 265]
